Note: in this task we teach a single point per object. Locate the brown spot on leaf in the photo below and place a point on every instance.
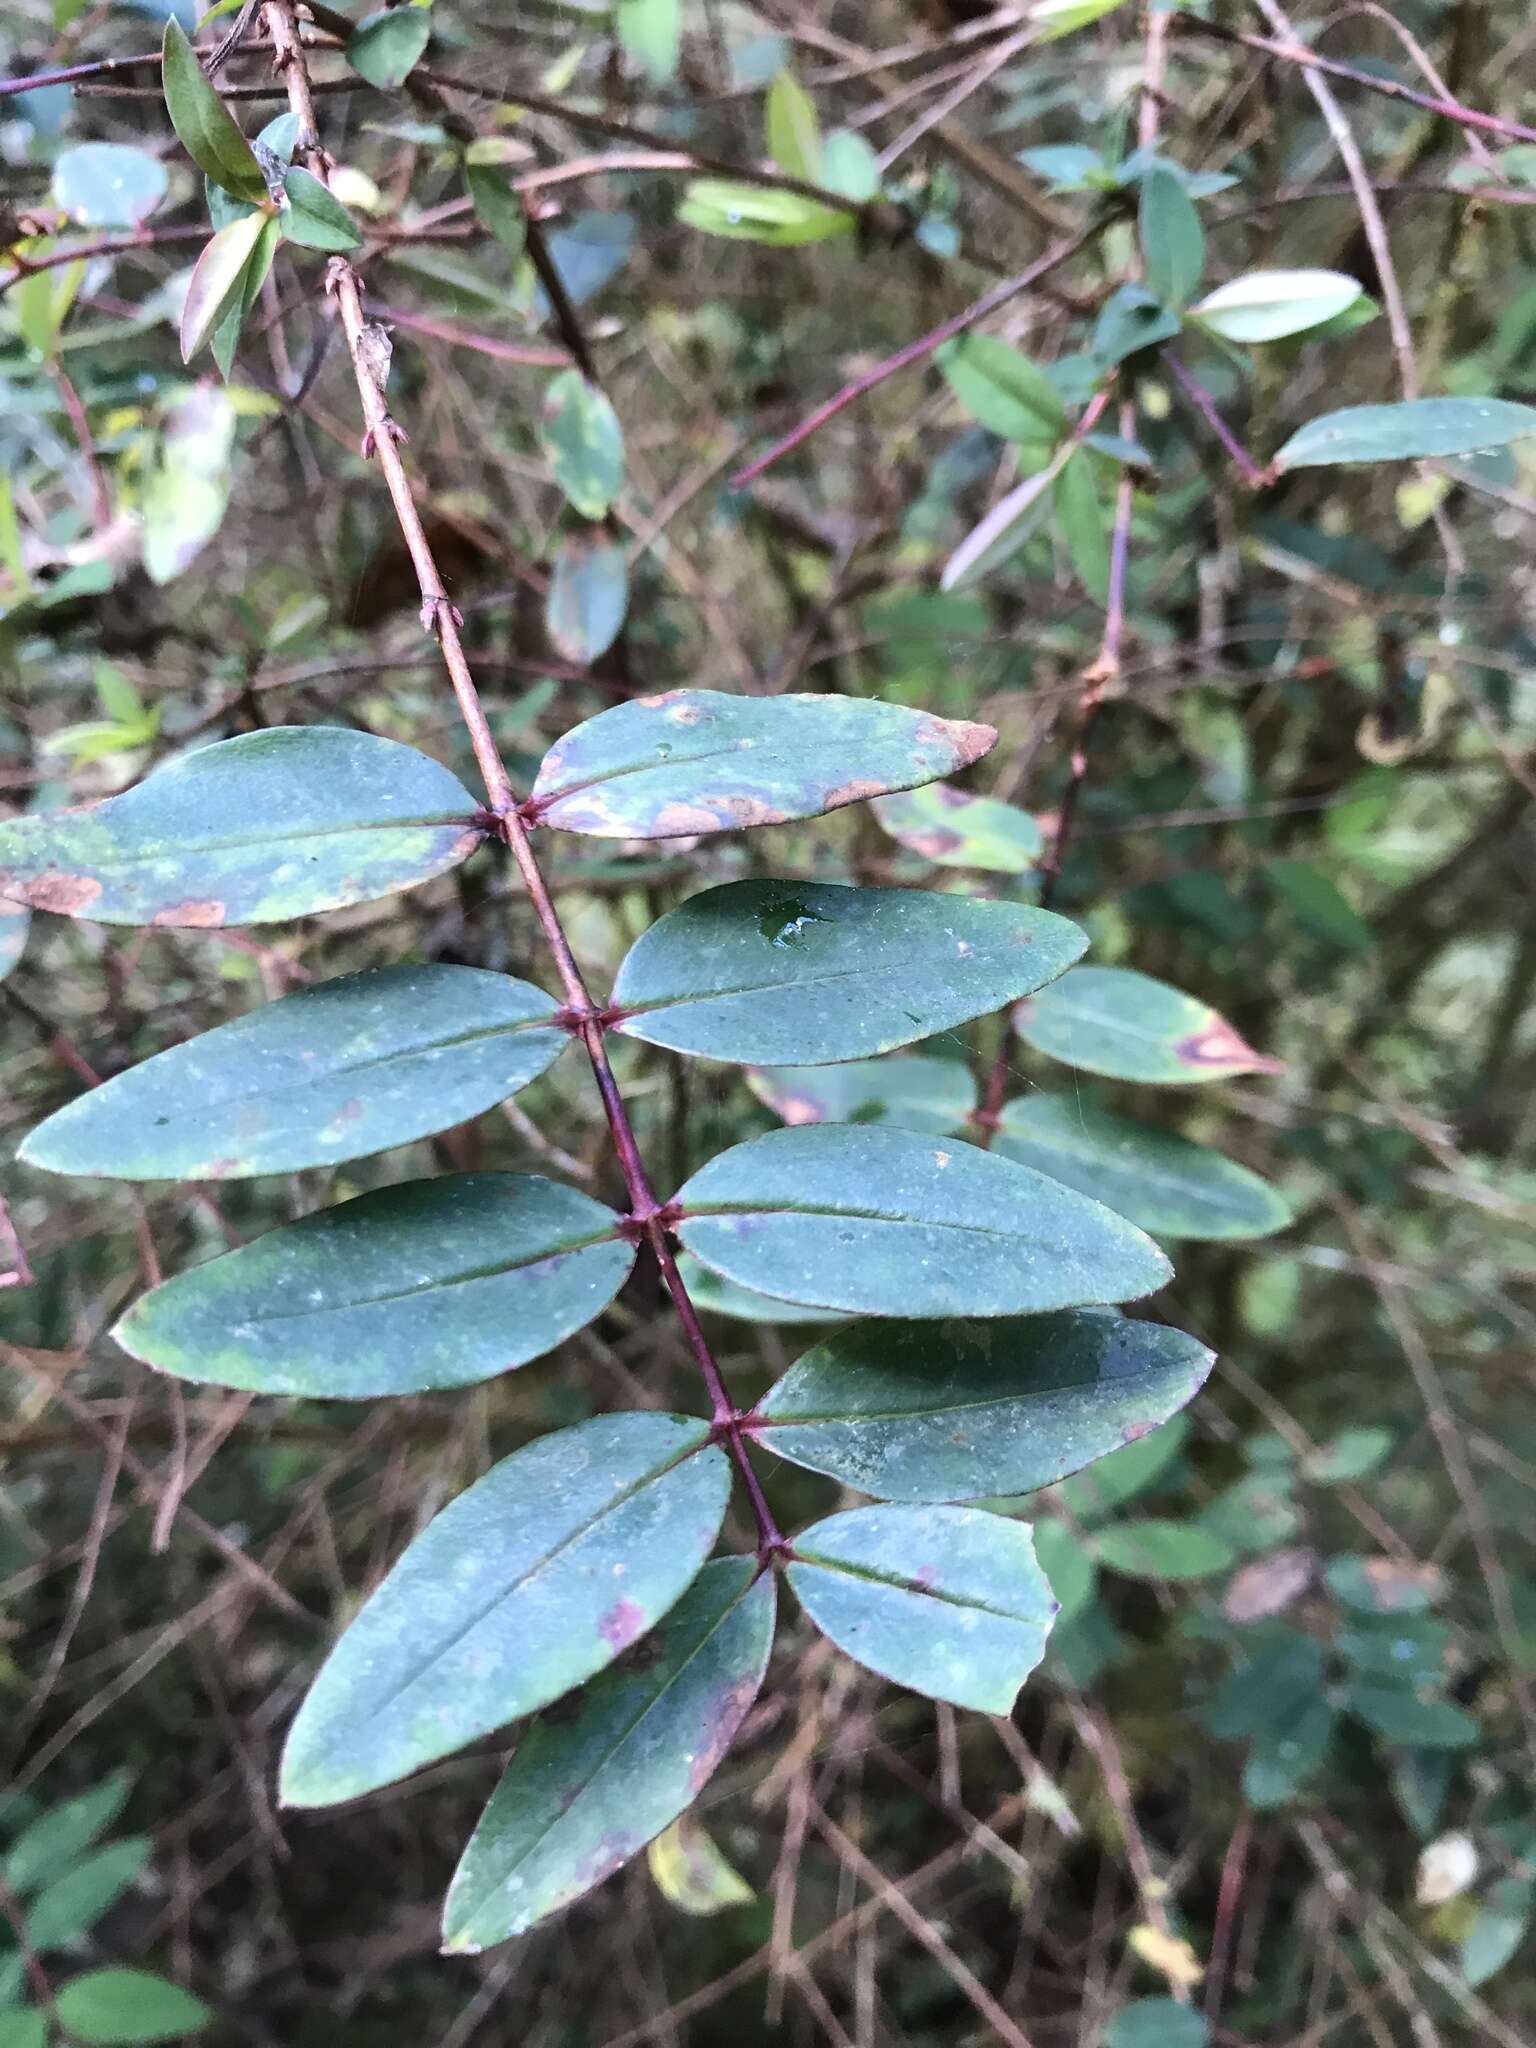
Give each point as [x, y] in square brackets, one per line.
[621, 1624]
[69, 895]
[677, 820]
[935, 844]
[961, 739]
[1397, 1585]
[1219, 1046]
[726, 1715]
[859, 791]
[202, 913]
[1135, 1430]
[1270, 1584]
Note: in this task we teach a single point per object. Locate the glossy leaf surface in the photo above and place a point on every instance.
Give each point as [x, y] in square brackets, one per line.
[885, 1222]
[207, 130]
[314, 217]
[1163, 1182]
[1414, 428]
[806, 973]
[914, 1091]
[947, 1411]
[436, 1283]
[588, 1789]
[108, 184]
[954, 829]
[1114, 1021]
[271, 825]
[695, 761]
[218, 280]
[538, 1576]
[946, 1600]
[1269, 305]
[334, 1072]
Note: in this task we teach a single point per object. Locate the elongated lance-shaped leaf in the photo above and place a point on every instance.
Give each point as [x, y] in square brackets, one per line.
[218, 280]
[1412, 429]
[949, 1601]
[886, 1222]
[336, 1071]
[955, 829]
[540, 1575]
[805, 973]
[1166, 1184]
[271, 825]
[911, 1090]
[437, 1283]
[204, 125]
[949, 1411]
[1114, 1021]
[694, 761]
[589, 1788]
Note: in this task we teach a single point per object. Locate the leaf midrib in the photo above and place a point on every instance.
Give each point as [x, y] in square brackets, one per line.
[898, 1585]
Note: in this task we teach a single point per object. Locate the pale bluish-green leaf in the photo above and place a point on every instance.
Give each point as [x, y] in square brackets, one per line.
[850, 166]
[1172, 239]
[583, 443]
[434, 1283]
[387, 45]
[538, 1576]
[205, 126]
[590, 1787]
[274, 824]
[1416, 428]
[1501, 1925]
[1114, 1021]
[1068, 1566]
[915, 1091]
[23, 2026]
[1420, 1720]
[15, 923]
[967, 1410]
[1083, 524]
[955, 829]
[115, 2008]
[1269, 305]
[1166, 1184]
[650, 32]
[946, 1600]
[695, 761]
[805, 973]
[588, 597]
[881, 1221]
[108, 184]
[1157, 2023]
[334, 1072]
[723, 1297]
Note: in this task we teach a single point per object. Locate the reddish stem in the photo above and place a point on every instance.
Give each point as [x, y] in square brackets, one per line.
[1252, 475]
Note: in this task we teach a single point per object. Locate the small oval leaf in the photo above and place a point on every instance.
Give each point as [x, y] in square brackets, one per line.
[949, 1601]
[955, 829]
[314, 217]
[695, 761]
[435, 1283]
[387, 45]
[588, 597]
[108, 184]
[538, 1576]
[110, 2007]
[583, 443]
[206, 128]
[1114, 1021]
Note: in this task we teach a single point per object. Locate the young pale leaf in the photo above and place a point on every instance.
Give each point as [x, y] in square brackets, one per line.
[753, 213]
[808, 973]
[1268, 305]
[913, 1091]
[206, 128]
[887, 1222]
[650, 32]
[1011, 396]
[588, 597]
[954, 829]
[1172, 239]
[314, 217]
[1162, 1182]
[793, 134]
[386, 46]
[850, 166]
[271, 825]
[225, 338]
[1499, 1927]
[948, 1601]
[1079, 515]
[692, 1872]
[110, 2007]
[108, 184]
[1154, 1549]
[965, 1410]
[694, 761]
[1015, 518]
[218, 279]
[538, 1576]
[335, 1072]
[583, 443]
[589, 1788]
[1157, 2023]
[15, 922]
[434, 1283]
[1111, 1020]
[1053, 18]
[1415, 429]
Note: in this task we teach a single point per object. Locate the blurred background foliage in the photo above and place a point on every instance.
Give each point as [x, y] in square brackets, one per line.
[1273, 1784]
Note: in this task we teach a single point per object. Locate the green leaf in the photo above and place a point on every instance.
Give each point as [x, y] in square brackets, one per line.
[23, 2027]
[916, 1092]
[1269, 305]
[589, 1788]
[1125, 1473]
[954, 829]
[1114, 1021]
[1079, 516]
[1282, 1758]
[108, 184]
[1053, 18]
[968, 1410]
[721, 1297]
[793, 133]
[1402, 1715]
[128, 2006]
[204, 124]
[72, 1904]
[583, 443]
[48, 1845]
[1166, 1184]
[850, 166]
[1132, 318]
[1011, 396]
[386, 46]
[495, 199]
[314, 217]
[695, 761]
[1172, 239]
[1157, 2023]
[1417, 428]
[1016, 517]
[588, 597]
[650, 33]
[186, 494]
[809, 973]
[1068, 1566]
[271, 825]
[1501, 1925]
[15, 923]
[1156, 1549]
[337, 1071]
[1348, 1456]
[946, 1600]
[886, 1222]
[218, 280]
[755, 213]
[538, 1576]
[430, 1284]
